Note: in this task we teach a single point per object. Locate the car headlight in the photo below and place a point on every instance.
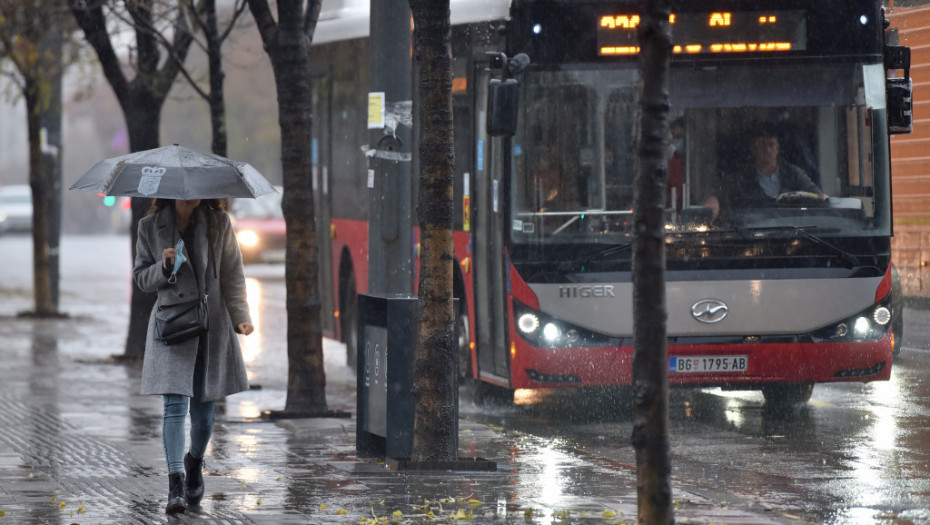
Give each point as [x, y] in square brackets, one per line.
[545, 331]
[247, 238]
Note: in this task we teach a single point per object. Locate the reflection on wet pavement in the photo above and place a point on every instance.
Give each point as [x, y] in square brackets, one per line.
[79, 445]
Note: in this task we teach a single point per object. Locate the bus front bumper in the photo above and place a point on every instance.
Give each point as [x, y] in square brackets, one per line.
[749, 365]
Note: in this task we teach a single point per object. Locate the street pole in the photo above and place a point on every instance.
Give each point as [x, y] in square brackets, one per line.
[390, 122]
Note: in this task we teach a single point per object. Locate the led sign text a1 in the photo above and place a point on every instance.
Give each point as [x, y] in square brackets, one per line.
[720, 19]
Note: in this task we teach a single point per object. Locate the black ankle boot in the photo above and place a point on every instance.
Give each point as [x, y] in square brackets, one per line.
[176, 501]
[193, 489]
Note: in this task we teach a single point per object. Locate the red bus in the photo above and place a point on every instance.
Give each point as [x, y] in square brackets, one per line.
[774, 294]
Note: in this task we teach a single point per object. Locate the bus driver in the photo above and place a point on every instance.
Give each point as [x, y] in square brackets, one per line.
[769, 176]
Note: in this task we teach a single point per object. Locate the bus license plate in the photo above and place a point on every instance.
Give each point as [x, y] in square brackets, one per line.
[709, 363]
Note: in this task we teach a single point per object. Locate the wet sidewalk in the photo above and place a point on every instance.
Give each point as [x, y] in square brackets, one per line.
[78, 444]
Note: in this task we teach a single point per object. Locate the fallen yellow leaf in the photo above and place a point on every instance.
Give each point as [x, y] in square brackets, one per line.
[474, 502]
[323, 506]
[397, 514]
[341, 512]
[259, 502]
[609, 514]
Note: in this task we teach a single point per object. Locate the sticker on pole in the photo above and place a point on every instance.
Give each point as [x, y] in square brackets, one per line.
[376, 110]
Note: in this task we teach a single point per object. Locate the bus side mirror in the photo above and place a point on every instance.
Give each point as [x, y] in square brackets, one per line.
[900, 107]
[899, 90]
[502, 107]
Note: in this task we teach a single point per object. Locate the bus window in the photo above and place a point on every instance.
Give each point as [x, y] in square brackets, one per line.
[577, 164]
[619, 152]
[557, 168]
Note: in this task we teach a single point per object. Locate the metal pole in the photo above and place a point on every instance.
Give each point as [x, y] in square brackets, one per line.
[390, 236]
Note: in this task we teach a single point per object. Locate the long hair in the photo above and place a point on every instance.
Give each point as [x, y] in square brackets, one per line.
[207, 204]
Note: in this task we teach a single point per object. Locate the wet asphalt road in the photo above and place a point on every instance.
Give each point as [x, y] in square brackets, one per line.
[857, 453]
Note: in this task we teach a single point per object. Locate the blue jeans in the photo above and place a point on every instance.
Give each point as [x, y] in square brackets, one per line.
[176, 407]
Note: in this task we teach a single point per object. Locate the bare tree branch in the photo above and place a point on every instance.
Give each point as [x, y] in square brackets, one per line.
[267, 27]
[311, 15]
[89, 17]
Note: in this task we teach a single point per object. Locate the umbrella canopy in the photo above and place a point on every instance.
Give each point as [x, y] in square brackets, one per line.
[174, 172]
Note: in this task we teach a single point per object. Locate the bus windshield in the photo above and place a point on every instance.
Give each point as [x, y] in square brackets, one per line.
[761, 150]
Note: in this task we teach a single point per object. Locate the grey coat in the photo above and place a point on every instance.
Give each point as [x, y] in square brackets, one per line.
[170, 369]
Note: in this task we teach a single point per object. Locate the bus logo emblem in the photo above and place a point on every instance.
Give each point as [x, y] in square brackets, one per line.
[709, 310]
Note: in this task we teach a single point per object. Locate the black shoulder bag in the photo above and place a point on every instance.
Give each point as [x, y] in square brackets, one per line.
[176, 323]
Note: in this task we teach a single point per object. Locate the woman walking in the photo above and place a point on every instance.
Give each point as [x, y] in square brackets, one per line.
[191, 375]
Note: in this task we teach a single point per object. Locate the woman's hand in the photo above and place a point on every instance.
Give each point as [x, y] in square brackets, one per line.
[167, 258]
[245, 328]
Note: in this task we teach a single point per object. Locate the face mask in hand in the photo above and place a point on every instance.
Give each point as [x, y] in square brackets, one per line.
[178, 261]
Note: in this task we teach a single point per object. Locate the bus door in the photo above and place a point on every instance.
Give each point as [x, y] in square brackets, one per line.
[488, 243]
[321, 90]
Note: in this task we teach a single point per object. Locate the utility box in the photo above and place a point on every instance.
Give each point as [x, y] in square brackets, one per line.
[385, 410]
[387, 339]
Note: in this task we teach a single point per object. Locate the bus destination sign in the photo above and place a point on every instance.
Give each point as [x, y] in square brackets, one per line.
[716, 32]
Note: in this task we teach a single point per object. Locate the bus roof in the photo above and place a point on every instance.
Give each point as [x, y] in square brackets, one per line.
[348, 19]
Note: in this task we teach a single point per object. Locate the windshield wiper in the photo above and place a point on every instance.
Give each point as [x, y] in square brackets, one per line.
[844, 255]
[581, 262]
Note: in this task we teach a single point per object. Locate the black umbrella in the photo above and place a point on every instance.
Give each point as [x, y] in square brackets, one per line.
[174, 172]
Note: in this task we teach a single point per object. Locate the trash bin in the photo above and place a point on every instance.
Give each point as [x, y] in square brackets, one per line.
[385, 410]
[387, 339]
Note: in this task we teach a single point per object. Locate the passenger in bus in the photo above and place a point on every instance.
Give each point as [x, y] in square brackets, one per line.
[761, 182]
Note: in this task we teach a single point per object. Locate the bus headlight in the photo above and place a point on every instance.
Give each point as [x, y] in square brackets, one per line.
[551, 332]
[528, 323]
[544, 331]
[842, 330]
[861, 328]
[871, 324]
[881, 315]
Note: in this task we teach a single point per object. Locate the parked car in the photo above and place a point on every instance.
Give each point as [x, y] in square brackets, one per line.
[15, 208]
[260, 228]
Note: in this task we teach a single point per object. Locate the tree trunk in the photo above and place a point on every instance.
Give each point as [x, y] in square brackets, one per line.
[39, 59]
[288, 46]
[143, 122]
[435, 428]
[217, 100]
[141, 101]
[650, 363]
[40, 180]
